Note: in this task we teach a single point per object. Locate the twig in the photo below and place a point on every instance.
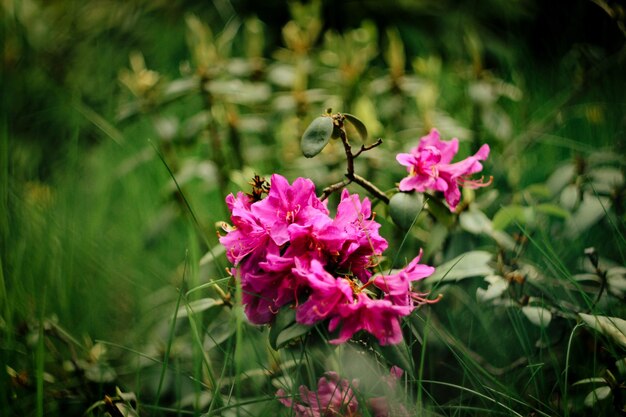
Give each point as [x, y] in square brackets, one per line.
[332, 188]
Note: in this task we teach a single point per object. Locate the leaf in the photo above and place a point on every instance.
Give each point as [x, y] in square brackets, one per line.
[285, 318]
[594, 380]
[537, 315]
[290, 333]
[552, 210]
[497, 286]
[511, 214]
[569, 196]
[405, 207]
[560, 178]
[198, 306]
[596, 395]
[316, 136]
[358, 125]
[440, 211]
[590, 211]
[613, 327]
[469, 264]
[475, 222]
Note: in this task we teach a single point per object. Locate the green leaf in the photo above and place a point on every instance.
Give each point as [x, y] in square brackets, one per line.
[552, 210]
[475, 222]
[198, 306]
[316, 136]
[511, 214]
[440, 211]
[284, 319]
[537, 315]
[561, 177]
[469, 264]
[596, 395]
[358, 125]
[405, 207]
[290, 333]
[613, 327]
[497, 286]
[569, 197]
[591, 209]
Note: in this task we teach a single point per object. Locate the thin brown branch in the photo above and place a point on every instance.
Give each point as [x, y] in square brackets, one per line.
[332, 188]
[367, 148]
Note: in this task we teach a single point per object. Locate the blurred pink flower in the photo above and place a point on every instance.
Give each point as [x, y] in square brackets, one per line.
[430, 168]
[334, 397]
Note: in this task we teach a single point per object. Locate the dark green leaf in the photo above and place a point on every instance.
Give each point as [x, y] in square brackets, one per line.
[405, 207]
[290, 333]
[285, 318]
[441, 212]
[358, 125]
[316, 136]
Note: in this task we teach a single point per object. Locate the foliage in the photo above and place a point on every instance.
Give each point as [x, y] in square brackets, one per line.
[117, 298]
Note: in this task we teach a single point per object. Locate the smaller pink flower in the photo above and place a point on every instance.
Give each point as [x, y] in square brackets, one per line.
[430, 168]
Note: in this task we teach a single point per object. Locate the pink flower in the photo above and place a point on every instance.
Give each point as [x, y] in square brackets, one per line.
[327, 293]
[397, 287]
[430, 168]
[249, 234]
[286, 249]
[334, 397]
[378, 317]
[288, 204]
[363, 243]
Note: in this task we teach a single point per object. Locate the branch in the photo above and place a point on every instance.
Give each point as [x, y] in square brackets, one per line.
[350, 157]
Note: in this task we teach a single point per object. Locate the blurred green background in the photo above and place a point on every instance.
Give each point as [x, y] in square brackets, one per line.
[101, 99]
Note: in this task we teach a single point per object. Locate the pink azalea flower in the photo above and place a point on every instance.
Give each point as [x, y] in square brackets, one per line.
[397, 287]
[363, 243]
[334, 397]
[378, 317]
[430, 167]
[287, 204]
[327, 293]
[249, 233]
[286, 249]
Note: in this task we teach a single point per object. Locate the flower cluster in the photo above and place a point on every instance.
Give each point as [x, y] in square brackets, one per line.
[336, 397]
[430, 168]
[288, 250]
